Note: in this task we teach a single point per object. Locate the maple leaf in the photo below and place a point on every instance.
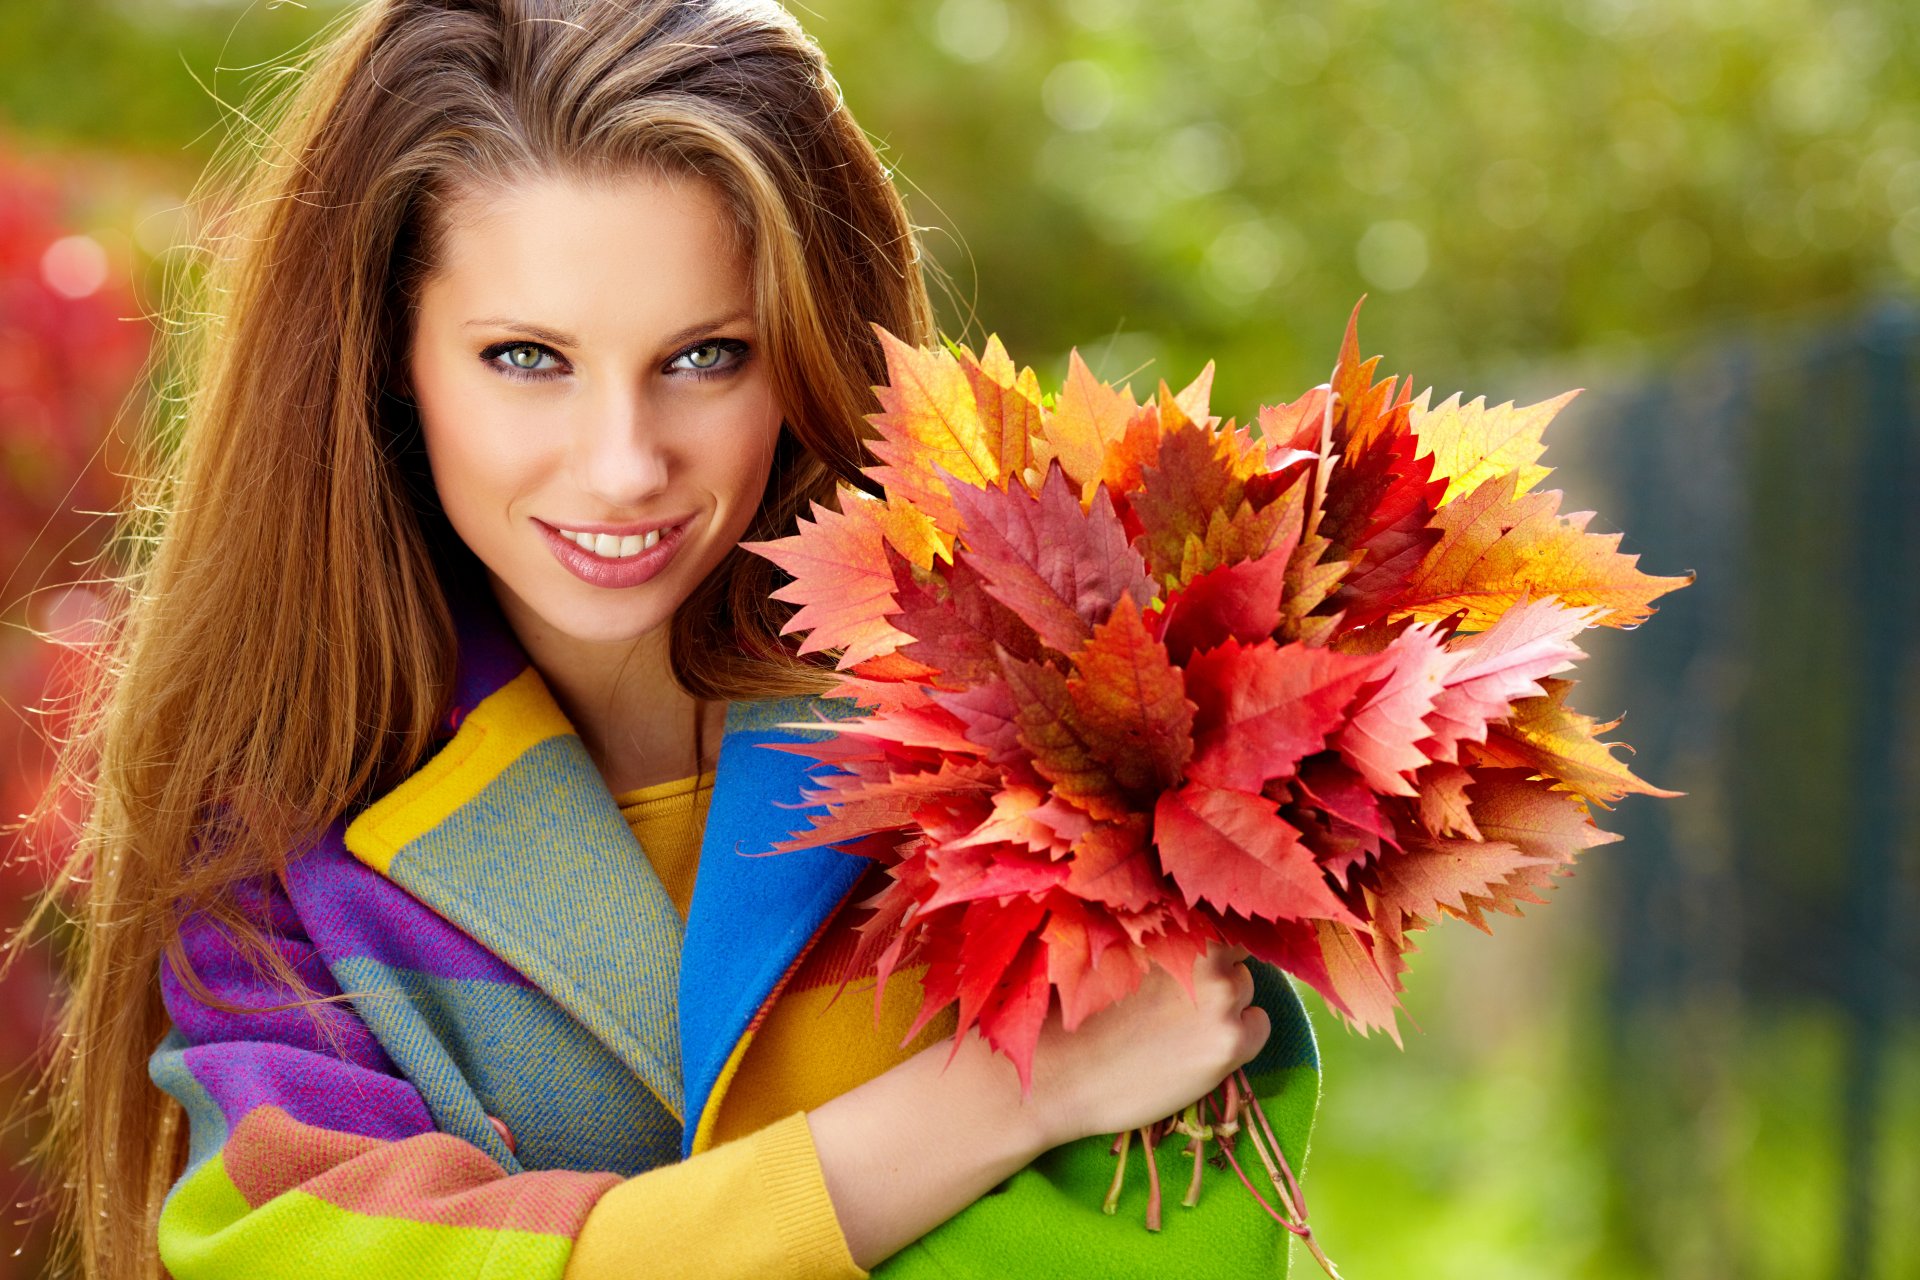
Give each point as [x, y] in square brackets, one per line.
[1233, 602]
[1130, 702]
[1060, 748]
[1500, 666]
[1111, 865]
[1342, 794]
[1196, 473]
[1444, 808]
[989, 717]
[967, 872]
[1012, 821]
[956, 627]
[1008, 402]
[1496, 550]
[842, 580]
[1376, 514]
[1060, 569]
[1429, 874]
[931, 431]
[1088, 418]
[1542, 821]
[1382, 739]
[1089, 960]
[1261, 708]
[1296, 426]
[1546, 736]
[971, 958]
[1471, 444]
[1235, 851]
[858, 806]
[1358, 986]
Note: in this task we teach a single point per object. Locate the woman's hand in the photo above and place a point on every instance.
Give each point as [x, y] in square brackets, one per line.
[1148, 1055]
[916, 1144]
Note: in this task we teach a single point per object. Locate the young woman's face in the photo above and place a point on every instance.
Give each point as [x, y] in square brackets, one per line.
[597, 414]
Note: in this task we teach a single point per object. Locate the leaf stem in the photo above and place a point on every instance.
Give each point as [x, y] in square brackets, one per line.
[1120, 1144]
[1153, 1178]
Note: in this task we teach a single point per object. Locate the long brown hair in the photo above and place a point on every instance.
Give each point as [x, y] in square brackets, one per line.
[285, 649]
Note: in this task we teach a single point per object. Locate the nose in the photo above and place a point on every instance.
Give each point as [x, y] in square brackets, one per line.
[622, 455]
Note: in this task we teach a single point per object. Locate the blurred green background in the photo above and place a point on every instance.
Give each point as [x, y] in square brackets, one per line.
[1703, 1060]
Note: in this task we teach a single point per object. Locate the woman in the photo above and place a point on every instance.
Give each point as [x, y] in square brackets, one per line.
[531, 311]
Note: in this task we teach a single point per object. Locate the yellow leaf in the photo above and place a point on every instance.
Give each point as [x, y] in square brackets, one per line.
[929, 423]
[1471, 443]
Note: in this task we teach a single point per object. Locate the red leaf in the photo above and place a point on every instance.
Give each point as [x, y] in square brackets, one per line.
[1429, 875]
[1090, 960]
[1196, 473]
[989, 716]
[1382, 739]
[1130, 703]
[1059, 747]
[1361, 987]
[957, 628]
[1011, 1020]
[1264, 707]
[1059, 568]
[965, 872]
[1236, 852]
[1234, 602]
[1111, 864]
[1501, 666]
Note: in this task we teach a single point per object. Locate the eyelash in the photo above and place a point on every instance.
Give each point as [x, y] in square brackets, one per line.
[491, 355]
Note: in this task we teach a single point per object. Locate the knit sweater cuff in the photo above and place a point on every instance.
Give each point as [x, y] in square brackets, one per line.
[797, 1201]
[754, 1207]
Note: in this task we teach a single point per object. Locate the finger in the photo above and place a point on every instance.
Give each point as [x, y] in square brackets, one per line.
[1223, 954]
[1255, 1027]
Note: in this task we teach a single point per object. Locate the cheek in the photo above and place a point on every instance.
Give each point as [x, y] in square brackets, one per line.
[479, 456]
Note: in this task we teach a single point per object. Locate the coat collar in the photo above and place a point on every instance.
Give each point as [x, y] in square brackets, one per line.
[510, 833]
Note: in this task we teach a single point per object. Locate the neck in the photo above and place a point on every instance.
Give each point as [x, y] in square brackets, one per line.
[636, 722]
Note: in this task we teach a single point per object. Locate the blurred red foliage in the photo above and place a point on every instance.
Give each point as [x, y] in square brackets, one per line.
[72, 342]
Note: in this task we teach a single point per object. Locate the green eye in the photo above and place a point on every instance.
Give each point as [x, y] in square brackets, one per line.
[524, 357]
[705, 357]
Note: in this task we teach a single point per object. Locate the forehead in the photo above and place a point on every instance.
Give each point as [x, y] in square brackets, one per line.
[607, 254]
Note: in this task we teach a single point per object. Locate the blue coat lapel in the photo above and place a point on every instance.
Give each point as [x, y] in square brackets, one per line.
[752, 916]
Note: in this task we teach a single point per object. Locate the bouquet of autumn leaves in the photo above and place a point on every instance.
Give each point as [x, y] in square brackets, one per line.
[1137, 680]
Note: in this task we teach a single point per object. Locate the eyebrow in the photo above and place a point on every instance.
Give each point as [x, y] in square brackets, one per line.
[556, 337]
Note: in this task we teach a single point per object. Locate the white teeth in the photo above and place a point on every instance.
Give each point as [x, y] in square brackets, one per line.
[609, 547]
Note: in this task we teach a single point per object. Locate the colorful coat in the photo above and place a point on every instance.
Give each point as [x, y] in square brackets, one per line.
[534, 1070]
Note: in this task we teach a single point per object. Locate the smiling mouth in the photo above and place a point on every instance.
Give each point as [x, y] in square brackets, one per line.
[609, 547]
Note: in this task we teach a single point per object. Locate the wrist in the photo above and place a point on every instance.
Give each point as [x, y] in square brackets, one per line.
[1037, 1122]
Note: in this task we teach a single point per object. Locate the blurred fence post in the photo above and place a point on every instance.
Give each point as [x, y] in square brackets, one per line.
[1779, 693]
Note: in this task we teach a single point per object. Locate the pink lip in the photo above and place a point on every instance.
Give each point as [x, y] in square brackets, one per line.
[599, 571]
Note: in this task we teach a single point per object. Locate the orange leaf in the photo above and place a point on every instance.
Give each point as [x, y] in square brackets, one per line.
[841, 580]
[1088, 417]
[1496, 550]
[1548, 737]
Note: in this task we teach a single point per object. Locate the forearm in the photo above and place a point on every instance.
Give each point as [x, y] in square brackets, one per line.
[913, 1146]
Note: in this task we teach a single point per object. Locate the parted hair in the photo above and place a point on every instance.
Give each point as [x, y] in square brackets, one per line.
[283, 646]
